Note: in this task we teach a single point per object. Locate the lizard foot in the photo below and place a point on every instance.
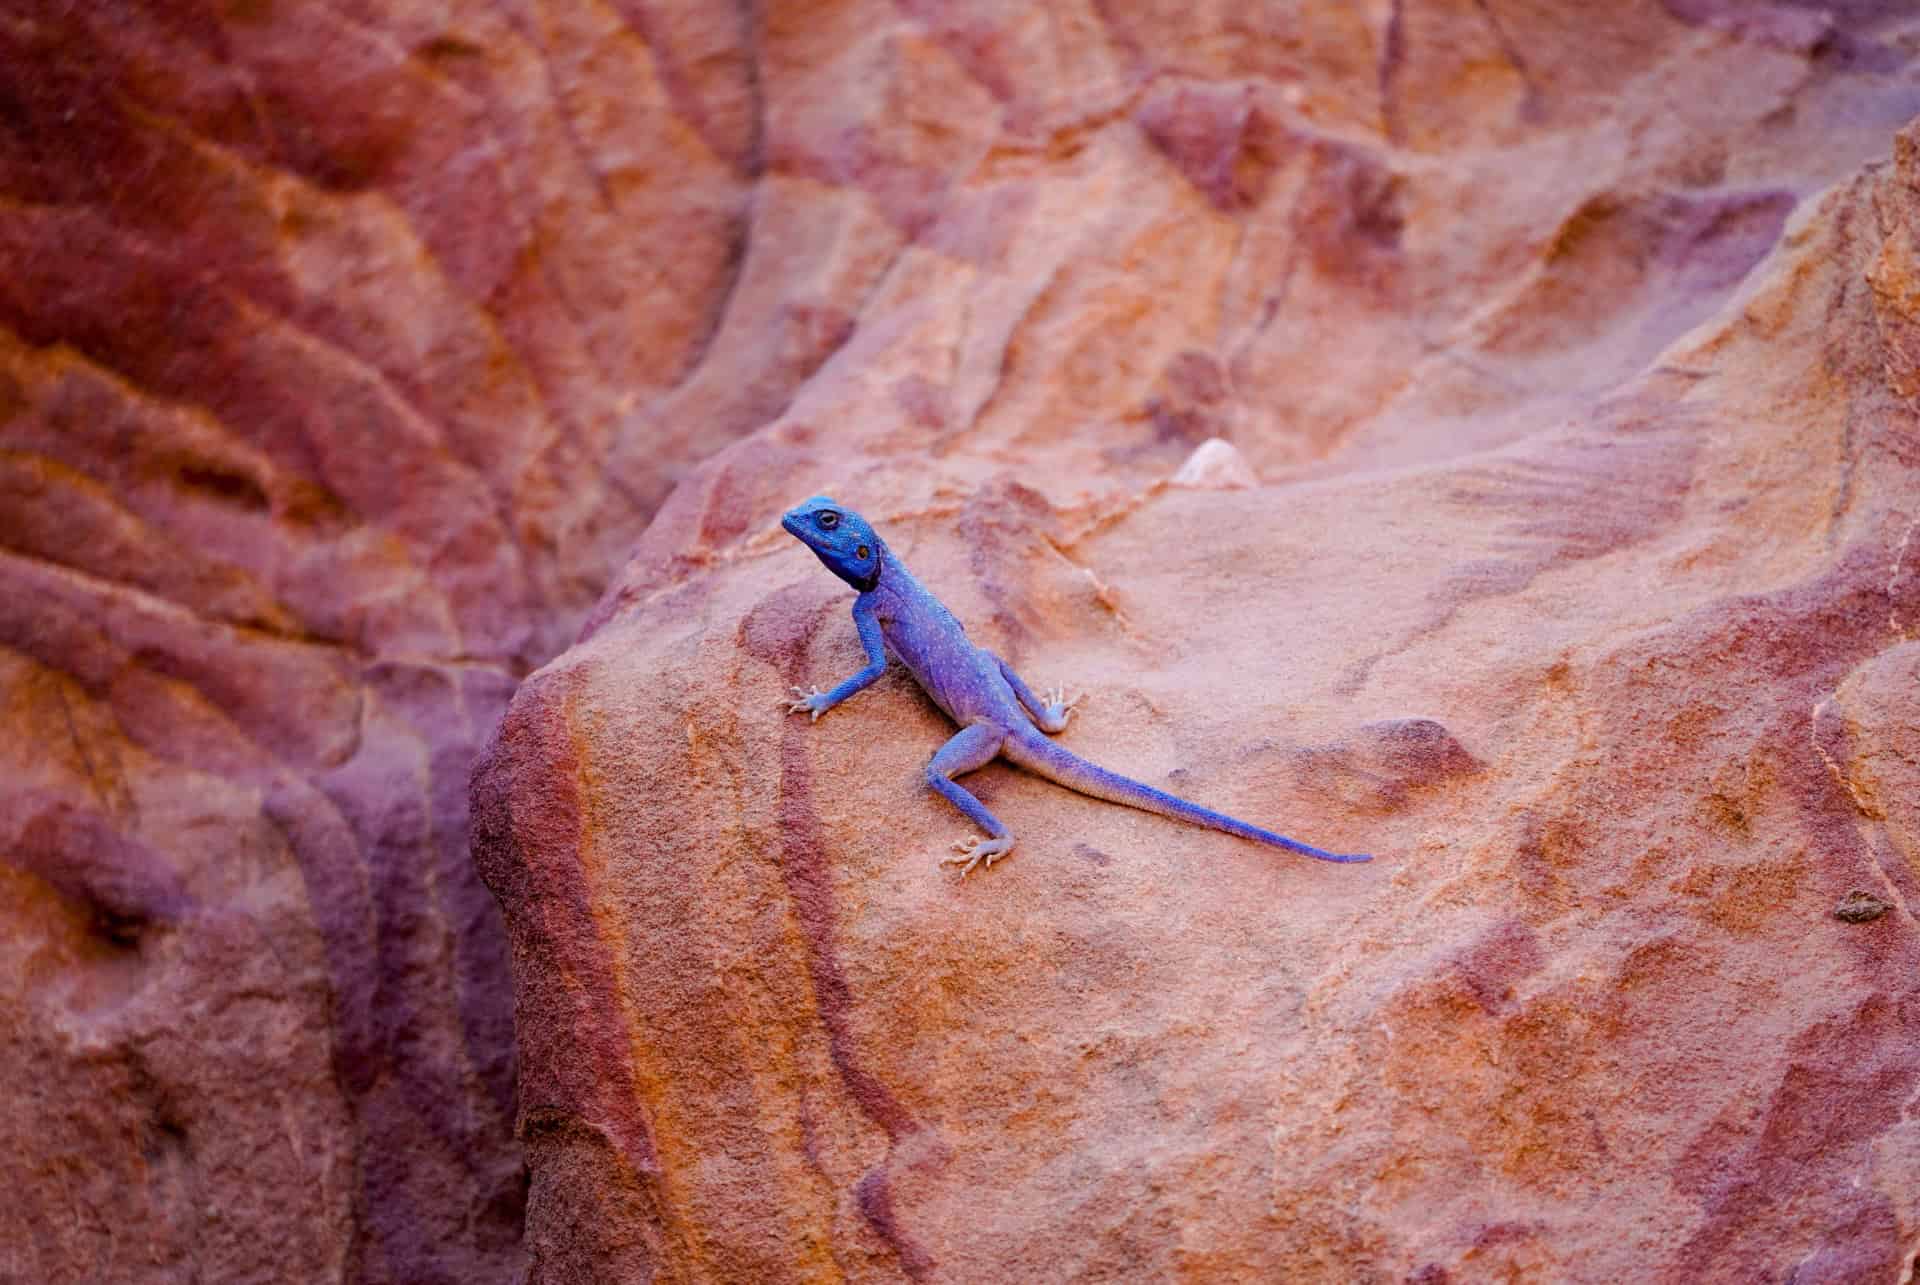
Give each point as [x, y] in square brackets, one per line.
[1059, 708]
[971, 851]
[804, 701]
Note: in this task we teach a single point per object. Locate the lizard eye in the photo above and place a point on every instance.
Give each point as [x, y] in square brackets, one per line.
[829, 520]
[862, 552]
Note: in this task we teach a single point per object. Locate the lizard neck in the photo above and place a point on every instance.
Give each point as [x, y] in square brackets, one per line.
[882, 563]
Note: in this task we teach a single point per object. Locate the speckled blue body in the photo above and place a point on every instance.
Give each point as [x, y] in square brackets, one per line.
[963, 680]
[998, 714]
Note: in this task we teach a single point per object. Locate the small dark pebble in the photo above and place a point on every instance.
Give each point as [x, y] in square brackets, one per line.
[1091, 853]
[1860, 908]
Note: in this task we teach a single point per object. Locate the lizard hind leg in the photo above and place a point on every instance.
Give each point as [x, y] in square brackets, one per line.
[974, 746]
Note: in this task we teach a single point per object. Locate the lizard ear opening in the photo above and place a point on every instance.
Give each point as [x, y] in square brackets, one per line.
[862, 553]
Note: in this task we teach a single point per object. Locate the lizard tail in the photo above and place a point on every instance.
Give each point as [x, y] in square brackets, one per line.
[1043, 758]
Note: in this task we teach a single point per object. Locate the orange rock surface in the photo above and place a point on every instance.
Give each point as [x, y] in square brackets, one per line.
[1574, 356]
[1562, 551]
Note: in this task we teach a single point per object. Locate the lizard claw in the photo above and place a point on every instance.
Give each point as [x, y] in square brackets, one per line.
[972, 850]
[1057, 697]
[1059, 708]
[805, 701]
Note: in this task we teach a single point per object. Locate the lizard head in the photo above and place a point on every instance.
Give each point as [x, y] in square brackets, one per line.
[840, 538]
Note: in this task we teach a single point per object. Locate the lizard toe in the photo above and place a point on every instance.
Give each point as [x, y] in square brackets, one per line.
[974, 850]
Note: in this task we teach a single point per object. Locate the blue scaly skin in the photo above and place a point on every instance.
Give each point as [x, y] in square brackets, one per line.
[998, 714]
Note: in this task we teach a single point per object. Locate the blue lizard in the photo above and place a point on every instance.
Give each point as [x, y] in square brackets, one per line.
[999, 715]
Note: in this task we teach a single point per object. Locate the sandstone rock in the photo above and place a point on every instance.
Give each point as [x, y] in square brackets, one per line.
[1574, 593]
[343, 350]
[325, 337]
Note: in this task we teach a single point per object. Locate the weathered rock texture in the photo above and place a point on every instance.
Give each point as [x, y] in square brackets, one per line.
[1576, 349]
[343, 350]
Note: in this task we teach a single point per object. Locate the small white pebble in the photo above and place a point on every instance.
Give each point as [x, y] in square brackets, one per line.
[1216, 466]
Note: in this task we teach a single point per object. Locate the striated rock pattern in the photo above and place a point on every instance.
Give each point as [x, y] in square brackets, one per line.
[1574, 350]
[343, 350]
[1556, 541]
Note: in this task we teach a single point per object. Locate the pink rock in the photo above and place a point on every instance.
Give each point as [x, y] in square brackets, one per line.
[1582, 606]
[356, 360]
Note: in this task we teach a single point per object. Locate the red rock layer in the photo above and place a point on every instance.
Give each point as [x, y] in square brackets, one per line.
[343, 348]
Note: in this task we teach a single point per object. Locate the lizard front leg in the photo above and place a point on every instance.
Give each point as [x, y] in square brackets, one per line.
[1050, 712]
[817, 702]
[975, 746]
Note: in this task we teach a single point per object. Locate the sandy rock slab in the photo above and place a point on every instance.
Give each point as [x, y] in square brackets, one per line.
[1591, 1014]
[1622, 703]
